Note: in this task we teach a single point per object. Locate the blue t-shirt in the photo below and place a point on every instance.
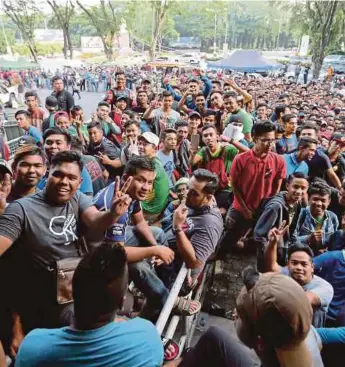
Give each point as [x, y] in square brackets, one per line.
[35, 134]
[293, 166]
[102, 202]
[133, 343]
[331, 267]
[85, 187]
[287, 145]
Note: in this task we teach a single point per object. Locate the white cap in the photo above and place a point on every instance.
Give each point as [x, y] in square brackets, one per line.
[150, 138]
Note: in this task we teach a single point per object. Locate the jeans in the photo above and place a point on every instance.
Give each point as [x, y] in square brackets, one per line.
[146, 278]
[235, 227]
[218, 348]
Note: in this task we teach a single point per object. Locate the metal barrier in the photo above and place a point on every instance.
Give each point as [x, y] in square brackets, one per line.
[13, 145]
[189, 322]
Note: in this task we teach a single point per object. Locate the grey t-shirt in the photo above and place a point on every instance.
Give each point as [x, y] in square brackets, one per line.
[319, 286]
[48, 233]
[169, 122]
[203, 228]
[168, 164]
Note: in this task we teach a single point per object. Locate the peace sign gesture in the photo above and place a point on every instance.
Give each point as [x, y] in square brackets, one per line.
[275, 234]
[121, 200]
[133, 146]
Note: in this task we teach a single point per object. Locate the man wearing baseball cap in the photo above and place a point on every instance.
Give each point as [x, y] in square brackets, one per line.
[157, 200]
[274, 318]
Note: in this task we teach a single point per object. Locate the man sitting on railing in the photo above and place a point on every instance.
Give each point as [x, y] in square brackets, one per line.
[197, 224]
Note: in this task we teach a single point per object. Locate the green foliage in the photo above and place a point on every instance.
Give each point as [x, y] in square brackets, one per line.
[10, 35]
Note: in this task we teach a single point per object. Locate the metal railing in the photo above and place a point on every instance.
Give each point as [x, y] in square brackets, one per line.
[188, 322]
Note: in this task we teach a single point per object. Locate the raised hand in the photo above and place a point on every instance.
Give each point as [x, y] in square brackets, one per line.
[104, 159]
[180, 215]
[275, 234]
[5, 189]
[121, 200]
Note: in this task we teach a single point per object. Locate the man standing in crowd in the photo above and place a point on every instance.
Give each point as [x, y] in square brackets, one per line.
[23, 121]
[156, 201]
[255, 175]
[37, 114]
[64, 98]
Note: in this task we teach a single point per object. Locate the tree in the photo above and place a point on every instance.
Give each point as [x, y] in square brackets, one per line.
[106, 18]
[10, 39]
[25, 14]
[64, 14]
[160, 9]
[321, 16]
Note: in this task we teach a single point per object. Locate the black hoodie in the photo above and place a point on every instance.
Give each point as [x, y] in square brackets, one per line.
[274, 211]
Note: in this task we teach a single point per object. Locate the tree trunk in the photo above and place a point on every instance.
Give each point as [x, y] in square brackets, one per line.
[69, 41]
[32, 51]
[64, 43]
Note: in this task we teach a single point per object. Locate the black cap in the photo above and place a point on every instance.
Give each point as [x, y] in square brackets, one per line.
[51, 102]
[235, 118]
[121, 97]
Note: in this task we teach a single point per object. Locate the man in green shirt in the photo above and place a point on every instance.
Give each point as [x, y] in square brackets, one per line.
[232, 107]
[217, 158]
[156, 202]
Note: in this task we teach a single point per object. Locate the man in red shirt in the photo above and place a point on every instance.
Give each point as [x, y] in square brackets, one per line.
[37, 114]
[255, 175]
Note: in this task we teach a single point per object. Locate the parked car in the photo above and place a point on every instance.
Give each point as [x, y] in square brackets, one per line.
[8, 95]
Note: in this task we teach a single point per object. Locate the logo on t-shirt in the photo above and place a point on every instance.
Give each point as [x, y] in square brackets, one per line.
[64, 226]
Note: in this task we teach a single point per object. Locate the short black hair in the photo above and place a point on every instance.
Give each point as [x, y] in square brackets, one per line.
[166, 132]
[216, 92]
[56, 77]
[294, 175]
[137, 162]
[319, 188]
[166, 94]
[103, 103]
[119, 73]
[131, 122]
[57, 131]
[67, 156]
[261, 105]
[279, 110]
[76, 144]
[263, 127]
[306, 141]
[30, 93]
[181, 123]
[208, 126]
[93, 124]
[288, 117]
[99, 268]
[310, 125]
[296, 247]
[200, 94]
[22, 112]
[29, 149]
[210, 178]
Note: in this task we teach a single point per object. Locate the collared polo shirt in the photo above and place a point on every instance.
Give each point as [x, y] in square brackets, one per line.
[293, 166]
[256, 177]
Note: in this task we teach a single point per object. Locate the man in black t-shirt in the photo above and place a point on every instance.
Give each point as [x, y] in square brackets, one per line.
[64, 98]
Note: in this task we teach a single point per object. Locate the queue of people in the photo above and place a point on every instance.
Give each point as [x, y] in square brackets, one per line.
[151, 181]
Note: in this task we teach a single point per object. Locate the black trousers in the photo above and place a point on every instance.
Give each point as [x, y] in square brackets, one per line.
[218, 348]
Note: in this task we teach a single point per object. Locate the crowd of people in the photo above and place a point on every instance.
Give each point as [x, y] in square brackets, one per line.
[150, 181]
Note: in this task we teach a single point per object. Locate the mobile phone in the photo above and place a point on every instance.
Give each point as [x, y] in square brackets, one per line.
[195, 141]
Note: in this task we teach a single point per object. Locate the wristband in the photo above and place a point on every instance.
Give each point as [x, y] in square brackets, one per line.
[176, 230]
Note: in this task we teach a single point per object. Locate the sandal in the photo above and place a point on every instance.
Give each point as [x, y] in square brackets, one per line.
[171, 349]
[187, 288]
[183, 307]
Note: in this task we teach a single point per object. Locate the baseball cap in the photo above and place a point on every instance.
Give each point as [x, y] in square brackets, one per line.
[194, 113]
[235, 118]
[301, 113]
[26, 140]
[181, 181]
[277, 309]
[4, 168]
[150, 138]
[51, 102]
[120, 97]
